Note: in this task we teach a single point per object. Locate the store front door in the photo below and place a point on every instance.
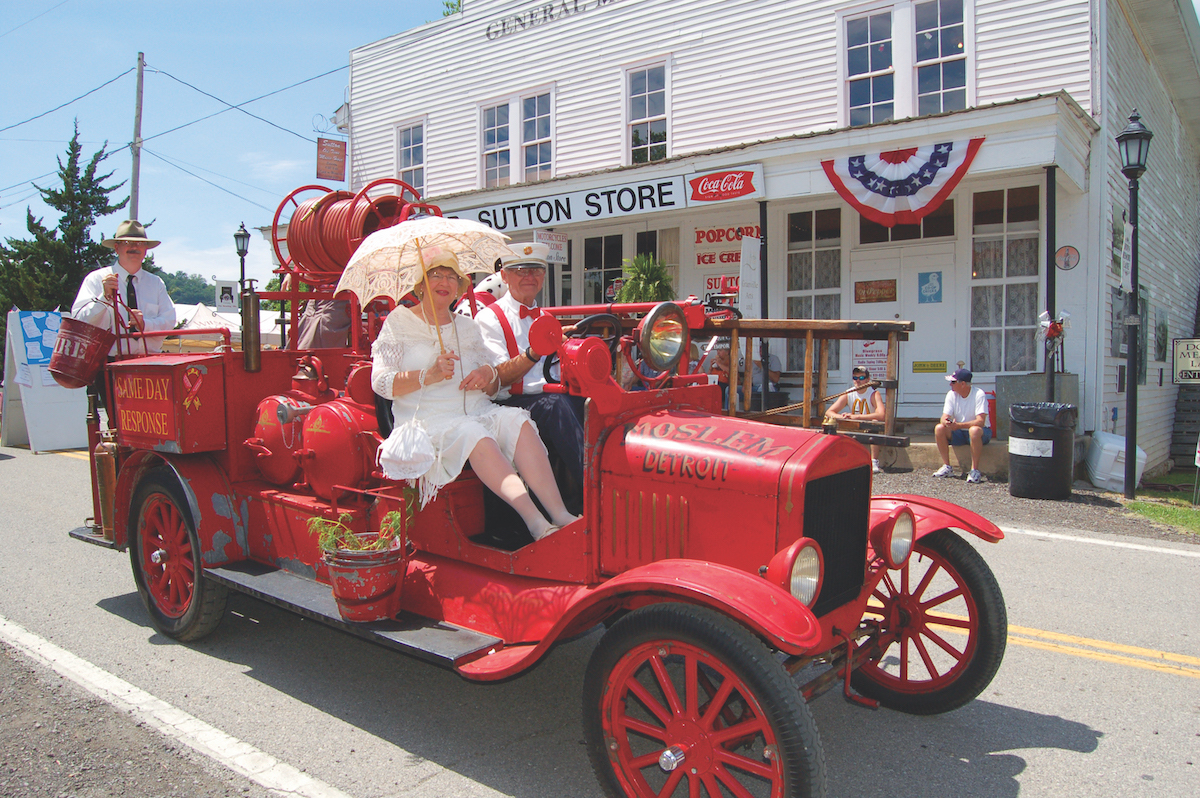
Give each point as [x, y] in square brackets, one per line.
[912, 283]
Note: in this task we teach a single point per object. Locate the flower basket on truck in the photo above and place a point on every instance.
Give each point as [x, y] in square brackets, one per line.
[742, 568]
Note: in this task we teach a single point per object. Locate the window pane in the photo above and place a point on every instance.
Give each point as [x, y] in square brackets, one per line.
[800, 268]
[860, 116]
[647, 243]
[906, 232]
[799, 307]
[657, 104]
[955, 100]
[829, 269]
[657, 78]
[860, 93]
[882, 113]
[952, 41]
[543, 127]
[637, 106]
[529, 107]
[954, 73]
[1022, 205]
[927, 15]
[858, 61]
[952, 11]
[1020, 351]
[988, 212]
[985, 350]
[929, 104]
[856, 31]
[929, 79]
[987, 305]
[641, 135]
[927, 46]
[658, 152]
[870, 232]
[612, 252]
[882, 89]
[637, 82]
[881, 56]
[827, 306]
[800, 227]
[941, 222]
[987, 260]
[658, 131]
[529, 130]
[502, 136]
[881, 27]
[829, 225]
[1022, 257]
[593, 253]
[1021, 304]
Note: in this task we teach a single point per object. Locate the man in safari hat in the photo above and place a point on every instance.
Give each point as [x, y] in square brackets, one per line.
[144, 294]
[505, 327]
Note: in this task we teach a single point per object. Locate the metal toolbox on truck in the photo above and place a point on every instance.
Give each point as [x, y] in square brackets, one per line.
[170, 403]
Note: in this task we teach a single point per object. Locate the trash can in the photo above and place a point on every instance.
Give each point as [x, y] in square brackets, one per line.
[1041, 449]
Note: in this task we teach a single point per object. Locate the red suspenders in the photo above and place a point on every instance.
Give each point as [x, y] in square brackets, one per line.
[510, 340]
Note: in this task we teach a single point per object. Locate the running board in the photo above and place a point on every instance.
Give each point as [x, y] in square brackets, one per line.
[432, 641]
[88, 534]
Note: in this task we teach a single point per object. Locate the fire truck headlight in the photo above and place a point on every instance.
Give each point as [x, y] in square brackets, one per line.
[893, 538]
[663, 336]
[799, 569]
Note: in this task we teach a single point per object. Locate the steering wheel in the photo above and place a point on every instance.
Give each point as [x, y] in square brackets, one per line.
[584, 330]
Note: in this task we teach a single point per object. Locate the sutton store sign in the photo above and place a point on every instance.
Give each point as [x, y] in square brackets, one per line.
[625, 199]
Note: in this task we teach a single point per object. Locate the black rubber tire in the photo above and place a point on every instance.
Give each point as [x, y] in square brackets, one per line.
[203, 604]
[976, 671]
[731, 646]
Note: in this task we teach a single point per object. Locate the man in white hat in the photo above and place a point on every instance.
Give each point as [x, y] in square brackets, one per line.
[505, 326]
[145, 294]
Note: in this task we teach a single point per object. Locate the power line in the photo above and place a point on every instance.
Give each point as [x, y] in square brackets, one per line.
[31, 19]
[210, 171]
[30, 180]
[64, 105]
[247, 102]
[232, 107]
[211, 183]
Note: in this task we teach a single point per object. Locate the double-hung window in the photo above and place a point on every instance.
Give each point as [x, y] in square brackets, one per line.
[520, 150]
[410, 155]
[906, 59]
[814, 277]
[647, 113]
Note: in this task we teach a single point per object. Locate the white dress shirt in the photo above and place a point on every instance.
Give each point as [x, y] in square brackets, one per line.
[158, 311]
[497, 344]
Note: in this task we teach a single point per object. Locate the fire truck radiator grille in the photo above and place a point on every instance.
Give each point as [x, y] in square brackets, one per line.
[645, 526]
[837, 516]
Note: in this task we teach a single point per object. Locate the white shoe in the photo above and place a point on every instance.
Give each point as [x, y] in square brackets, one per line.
[944, 471]
[876, 468]
[975, 476]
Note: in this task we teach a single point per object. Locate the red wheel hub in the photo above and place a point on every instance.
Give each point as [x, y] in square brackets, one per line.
[166, 557]
[673, 696]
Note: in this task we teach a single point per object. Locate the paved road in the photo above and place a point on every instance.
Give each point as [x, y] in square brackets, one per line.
[1099, 693]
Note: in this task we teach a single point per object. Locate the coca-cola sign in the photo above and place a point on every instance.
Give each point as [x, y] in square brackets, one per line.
[725, 185]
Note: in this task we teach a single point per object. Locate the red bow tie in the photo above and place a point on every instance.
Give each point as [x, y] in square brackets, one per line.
[530, 313]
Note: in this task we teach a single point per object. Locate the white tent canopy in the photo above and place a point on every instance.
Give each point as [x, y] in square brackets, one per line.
[201, 316]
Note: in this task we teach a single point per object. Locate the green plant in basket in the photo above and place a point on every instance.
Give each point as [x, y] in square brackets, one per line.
[336, 535]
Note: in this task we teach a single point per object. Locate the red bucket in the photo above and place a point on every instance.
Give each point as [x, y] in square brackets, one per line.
[79, 352]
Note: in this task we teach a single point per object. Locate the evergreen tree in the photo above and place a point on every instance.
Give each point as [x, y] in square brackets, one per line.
[44, 273]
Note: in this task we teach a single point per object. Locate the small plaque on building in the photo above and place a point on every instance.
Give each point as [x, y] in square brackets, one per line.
[929, 367]
[866, 291]
[331, 159]
[557, 243]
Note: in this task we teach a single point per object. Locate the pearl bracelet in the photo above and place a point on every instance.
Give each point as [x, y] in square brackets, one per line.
[421, 377]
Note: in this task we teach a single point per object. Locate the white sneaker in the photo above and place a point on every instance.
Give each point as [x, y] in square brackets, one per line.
[944, 471]
[974, 476]
[876, 468]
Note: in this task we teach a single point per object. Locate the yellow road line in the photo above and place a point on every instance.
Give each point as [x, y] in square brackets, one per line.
[76, 455]
[1102, 644]
[1177, 670]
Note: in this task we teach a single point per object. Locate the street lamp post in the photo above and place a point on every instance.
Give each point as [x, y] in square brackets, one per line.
[241, 240]
[1134, 145]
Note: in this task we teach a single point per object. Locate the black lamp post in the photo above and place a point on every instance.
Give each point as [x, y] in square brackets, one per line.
[241, 240]
[1134, 145]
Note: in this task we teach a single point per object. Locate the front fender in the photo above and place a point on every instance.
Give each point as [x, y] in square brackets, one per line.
[934, 514]
[764, 608]
[220, 524]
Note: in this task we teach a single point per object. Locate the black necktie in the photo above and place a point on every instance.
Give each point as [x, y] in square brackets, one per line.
[131, 299]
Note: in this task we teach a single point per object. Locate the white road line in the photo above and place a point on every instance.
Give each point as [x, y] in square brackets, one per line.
[1118, 544]
[240, 757]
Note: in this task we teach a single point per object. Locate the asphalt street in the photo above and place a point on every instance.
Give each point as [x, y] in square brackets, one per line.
[1098, 695]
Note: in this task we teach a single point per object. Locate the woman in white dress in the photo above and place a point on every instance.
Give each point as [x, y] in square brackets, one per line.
[448, 392]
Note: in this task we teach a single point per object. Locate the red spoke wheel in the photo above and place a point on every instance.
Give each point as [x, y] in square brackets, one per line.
[165, 553]
[947, 624]
[682, 701]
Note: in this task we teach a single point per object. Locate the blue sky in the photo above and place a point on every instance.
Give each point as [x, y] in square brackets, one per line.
[53, 51]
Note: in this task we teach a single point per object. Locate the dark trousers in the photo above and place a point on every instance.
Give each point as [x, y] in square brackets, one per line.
[559, 420]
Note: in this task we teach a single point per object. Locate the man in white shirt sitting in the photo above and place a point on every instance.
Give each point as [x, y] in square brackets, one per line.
[150, 308]
[505, 326]
[964, 421]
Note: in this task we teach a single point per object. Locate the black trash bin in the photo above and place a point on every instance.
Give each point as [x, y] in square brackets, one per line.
[1041, 449]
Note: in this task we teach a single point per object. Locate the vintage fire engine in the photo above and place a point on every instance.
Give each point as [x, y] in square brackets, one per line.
[741, 568]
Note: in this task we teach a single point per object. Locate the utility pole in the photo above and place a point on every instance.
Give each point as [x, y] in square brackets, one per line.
[136, 146]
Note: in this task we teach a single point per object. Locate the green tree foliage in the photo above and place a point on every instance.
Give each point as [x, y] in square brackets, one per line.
[646, 280]
[189, 289]
[44, 273]
[450, 7]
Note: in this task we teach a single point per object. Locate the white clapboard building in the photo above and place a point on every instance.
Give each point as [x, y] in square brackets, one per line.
[677, 126]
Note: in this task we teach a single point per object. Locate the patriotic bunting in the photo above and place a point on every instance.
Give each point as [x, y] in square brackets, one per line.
[901, 186]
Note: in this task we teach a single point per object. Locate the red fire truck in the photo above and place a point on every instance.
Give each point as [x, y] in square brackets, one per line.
[741, 568]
